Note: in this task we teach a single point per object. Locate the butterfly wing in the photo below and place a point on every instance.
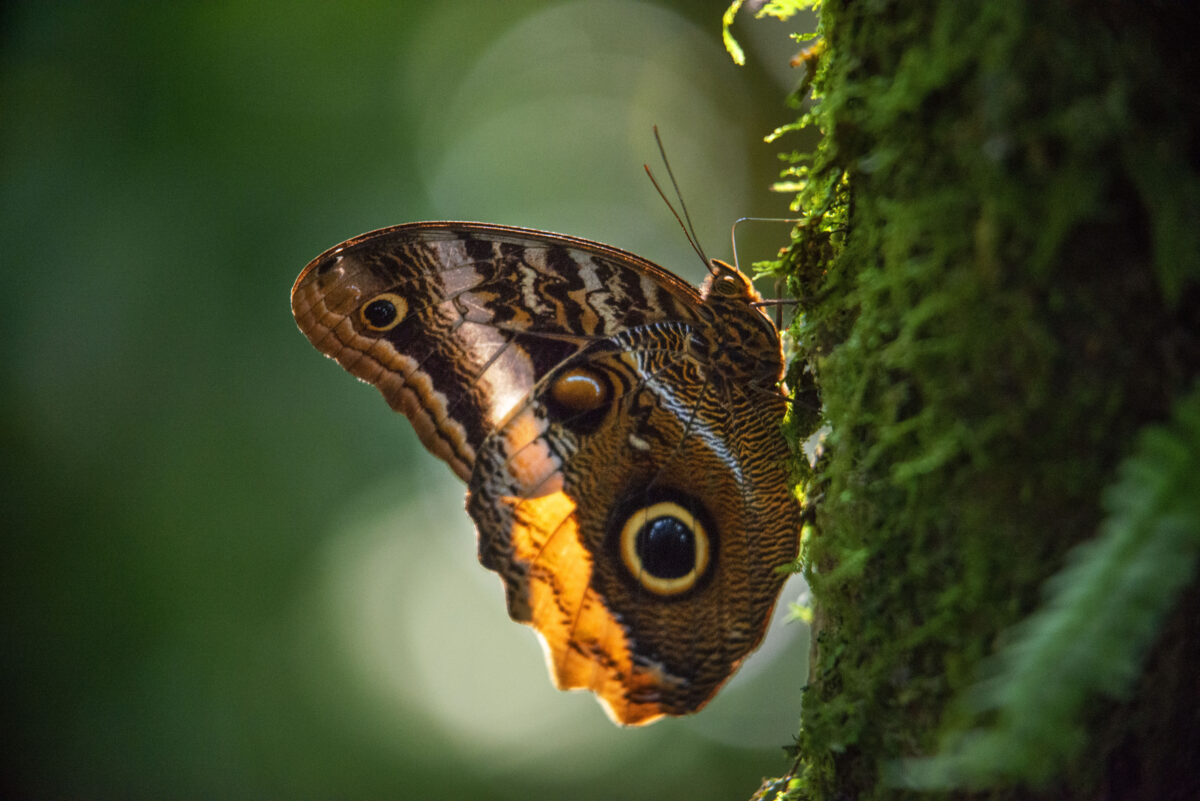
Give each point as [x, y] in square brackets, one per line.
[456, 322]
[680, 450]
[590, 400]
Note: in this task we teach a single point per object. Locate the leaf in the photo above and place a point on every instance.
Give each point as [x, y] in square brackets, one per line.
[731, 45]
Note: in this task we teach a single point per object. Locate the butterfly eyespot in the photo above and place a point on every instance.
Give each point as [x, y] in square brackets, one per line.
[383, 312]
[633, 512]
[664, 547]
[580, 389]
[579, 399]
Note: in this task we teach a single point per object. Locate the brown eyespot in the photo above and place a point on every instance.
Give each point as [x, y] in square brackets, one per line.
[664, 547]
[579, 398]
[383, 312]
[580, 389]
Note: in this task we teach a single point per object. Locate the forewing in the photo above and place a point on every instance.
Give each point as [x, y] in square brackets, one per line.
[482, 313]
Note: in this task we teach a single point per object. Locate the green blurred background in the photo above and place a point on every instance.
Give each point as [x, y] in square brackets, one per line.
[230, 570]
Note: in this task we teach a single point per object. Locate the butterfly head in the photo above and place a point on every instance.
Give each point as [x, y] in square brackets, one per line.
[727, 282]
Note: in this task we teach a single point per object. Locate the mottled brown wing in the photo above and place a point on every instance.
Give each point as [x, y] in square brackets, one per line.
[598, 407]
[456, 322]
[686, 443]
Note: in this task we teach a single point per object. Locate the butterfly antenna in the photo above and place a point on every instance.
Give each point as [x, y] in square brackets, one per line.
[689, 230]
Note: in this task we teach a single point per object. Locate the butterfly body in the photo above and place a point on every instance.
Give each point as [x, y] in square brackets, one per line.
[617, 429]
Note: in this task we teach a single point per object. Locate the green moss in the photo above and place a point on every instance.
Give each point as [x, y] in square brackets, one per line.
[998, 281]
[1090, 636]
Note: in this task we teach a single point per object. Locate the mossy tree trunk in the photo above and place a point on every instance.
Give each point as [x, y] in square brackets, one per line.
[1000, 287]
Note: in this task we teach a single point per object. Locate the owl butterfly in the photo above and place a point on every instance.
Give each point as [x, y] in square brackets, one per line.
[618, 430]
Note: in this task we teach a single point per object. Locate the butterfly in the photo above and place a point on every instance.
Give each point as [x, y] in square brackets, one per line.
[618, 431]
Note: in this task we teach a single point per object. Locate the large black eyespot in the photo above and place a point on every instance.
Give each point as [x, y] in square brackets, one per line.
[664, 547]
[383, 312]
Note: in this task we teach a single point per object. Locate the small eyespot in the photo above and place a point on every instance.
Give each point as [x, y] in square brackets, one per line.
[580, 389]
[579, 399]
[664, 547]
[383, 312]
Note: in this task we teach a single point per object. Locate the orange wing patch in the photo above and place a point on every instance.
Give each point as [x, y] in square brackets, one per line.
[585, 646]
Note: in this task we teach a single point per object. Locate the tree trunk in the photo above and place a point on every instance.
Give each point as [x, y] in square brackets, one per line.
[1000, 286]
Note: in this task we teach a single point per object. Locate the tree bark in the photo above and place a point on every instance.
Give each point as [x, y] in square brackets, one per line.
[999, 280]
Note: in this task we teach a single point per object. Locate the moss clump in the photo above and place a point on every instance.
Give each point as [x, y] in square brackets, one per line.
[1000, 286]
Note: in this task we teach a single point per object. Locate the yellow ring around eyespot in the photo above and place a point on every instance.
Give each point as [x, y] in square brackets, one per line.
[633, 562]
[399, 304]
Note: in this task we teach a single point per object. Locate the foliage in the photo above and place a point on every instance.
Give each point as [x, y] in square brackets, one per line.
[779, 9]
